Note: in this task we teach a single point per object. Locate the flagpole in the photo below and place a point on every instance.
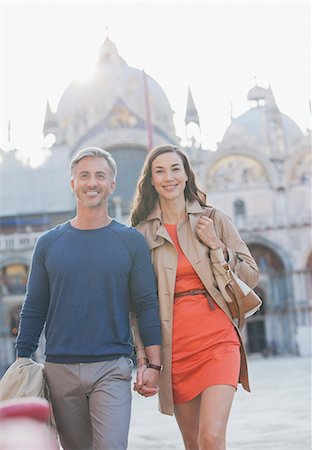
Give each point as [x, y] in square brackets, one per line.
[148, 113]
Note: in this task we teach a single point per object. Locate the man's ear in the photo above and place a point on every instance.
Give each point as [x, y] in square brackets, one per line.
[113, 186]
[72, 185]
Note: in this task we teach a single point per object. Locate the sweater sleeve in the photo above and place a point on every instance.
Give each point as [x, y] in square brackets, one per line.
[143, 294]
[35, 306]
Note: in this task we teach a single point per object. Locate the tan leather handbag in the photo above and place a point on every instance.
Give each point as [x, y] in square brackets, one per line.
[242, 301]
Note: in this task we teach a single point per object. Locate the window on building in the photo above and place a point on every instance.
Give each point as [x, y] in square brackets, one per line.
[14, 278]
[239, 212]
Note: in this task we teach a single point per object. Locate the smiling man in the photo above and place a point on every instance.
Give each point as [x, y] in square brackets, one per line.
[86, 276]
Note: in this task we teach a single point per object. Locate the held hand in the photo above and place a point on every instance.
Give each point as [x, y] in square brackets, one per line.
[147, 381]
[206, 232]
[139, 376]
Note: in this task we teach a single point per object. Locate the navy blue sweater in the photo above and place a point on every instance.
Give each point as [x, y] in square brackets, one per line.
[82, 285]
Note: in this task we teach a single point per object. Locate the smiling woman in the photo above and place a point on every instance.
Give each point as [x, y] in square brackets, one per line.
[169, 177]
[202, 352]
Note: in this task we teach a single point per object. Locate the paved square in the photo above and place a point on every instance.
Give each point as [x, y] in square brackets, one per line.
[276, 415]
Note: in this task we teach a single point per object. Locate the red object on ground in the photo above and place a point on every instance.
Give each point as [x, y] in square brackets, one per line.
[30, 407]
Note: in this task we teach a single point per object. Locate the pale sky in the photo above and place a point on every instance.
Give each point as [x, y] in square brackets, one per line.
[218, 49]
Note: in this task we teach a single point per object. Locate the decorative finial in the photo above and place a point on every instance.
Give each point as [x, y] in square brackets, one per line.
[9, 131]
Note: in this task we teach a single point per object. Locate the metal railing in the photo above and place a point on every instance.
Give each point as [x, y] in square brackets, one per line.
[261, 222]
[18, 241]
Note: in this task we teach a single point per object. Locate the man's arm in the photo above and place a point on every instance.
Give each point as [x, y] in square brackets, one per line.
[35, 305]
[145, 318]
[147, 377]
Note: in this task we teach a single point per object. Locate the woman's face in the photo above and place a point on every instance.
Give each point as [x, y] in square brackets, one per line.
[168, 176]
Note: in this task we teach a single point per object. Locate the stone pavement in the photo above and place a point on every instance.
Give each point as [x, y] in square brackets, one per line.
[276, 415]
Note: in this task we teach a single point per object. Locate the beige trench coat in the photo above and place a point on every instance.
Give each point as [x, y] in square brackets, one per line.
[165, 259]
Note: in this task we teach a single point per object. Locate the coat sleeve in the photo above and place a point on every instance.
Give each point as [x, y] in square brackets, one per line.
[240, 259]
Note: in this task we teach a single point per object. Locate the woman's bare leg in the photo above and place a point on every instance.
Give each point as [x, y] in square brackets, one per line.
[215, 406]
[187, 416]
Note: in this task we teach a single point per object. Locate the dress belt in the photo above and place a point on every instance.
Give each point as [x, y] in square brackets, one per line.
[196, 292]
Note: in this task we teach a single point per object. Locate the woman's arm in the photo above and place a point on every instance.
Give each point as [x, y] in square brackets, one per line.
[226, 245]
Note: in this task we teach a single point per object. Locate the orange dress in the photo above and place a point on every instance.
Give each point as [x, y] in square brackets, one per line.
[205, 345]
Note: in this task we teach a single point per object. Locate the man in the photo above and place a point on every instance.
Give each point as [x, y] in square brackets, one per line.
[86, 276]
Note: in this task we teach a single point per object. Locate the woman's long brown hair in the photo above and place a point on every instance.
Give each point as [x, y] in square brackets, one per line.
[146, 197]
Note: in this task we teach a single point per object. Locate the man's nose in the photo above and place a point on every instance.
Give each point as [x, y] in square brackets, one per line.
[92, 181]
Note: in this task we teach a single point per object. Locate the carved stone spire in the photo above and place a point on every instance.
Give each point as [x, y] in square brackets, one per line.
[50, 122]
[274, 127]
[191, 114]
[109, 54]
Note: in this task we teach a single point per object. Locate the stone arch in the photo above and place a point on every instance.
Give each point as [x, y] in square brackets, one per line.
[236, 170]
[129, 160]
[275, 248]
[13, 277]
[275, 290]
[18, 259]
[259, 158]
[298, 169]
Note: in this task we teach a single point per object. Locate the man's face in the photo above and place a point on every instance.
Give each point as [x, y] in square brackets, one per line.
[92, 182]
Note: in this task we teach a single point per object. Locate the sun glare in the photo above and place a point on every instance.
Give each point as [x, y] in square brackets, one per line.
[85, 75]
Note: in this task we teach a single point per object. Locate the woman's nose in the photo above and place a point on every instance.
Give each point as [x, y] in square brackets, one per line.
[169, 175]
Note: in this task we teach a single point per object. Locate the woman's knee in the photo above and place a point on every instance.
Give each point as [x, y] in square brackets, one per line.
[191, 443]
[210, 439]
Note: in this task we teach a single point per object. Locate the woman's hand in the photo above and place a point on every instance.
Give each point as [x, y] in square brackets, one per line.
[206, 232]
[147, 381]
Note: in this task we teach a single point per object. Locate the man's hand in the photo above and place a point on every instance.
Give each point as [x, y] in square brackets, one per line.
[147, 381]
[147, 378]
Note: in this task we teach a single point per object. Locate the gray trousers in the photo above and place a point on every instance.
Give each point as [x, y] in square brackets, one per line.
[91, 403]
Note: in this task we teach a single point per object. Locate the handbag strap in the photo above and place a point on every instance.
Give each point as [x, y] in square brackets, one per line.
[237, 296]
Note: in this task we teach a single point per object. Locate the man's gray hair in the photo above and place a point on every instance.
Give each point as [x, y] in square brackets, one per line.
[94, 152]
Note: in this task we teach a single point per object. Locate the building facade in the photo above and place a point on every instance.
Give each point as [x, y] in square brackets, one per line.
[260, 176]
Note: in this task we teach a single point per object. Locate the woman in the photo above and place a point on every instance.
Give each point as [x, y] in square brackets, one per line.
[202, 352]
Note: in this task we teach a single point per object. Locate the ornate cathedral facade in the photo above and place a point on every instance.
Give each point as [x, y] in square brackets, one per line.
[260, 176]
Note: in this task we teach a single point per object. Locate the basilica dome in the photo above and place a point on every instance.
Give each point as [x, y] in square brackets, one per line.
[85, 105]
[263, 127]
